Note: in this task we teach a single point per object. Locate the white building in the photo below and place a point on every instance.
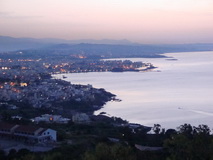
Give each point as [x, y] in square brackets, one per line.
[27, 133]
[80, 118]
[51, 118]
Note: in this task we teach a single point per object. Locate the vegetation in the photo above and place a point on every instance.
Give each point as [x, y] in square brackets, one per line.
[193, 143]
[92, 142]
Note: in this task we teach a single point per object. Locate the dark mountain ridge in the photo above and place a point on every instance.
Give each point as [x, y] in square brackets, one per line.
[12, 44]
[30, 46]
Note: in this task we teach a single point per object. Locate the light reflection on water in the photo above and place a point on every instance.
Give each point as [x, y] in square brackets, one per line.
[181, 93]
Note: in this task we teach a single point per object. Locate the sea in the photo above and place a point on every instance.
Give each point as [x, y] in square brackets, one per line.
[179, 91]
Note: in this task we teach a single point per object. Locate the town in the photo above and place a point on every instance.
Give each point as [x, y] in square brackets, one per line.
[29, 95]
[29, 82]
[53, 117]
[66, 64]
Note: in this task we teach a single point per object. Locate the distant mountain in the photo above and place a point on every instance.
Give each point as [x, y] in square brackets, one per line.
[119, 49]
[115, 51]
[103, 41]
[13, 44]
[107, 47]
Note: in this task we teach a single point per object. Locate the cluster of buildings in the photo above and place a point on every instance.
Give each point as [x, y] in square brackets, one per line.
[63, 65]
[45, 92]
[48, 118]
[30, 79]
[28, 134]
[95, 66]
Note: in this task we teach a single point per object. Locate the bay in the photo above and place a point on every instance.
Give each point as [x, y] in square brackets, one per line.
[179, 91]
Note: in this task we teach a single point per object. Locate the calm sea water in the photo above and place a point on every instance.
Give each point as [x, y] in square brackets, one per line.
[181, 93]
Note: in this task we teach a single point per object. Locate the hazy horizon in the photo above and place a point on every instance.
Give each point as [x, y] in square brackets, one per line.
[149, 22]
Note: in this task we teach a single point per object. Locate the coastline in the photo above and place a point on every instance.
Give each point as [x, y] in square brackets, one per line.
[140, 104]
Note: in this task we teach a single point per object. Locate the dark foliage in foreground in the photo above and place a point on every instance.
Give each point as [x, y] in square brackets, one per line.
[187, 143]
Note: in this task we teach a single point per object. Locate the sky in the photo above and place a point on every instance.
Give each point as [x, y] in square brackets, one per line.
[142, 21]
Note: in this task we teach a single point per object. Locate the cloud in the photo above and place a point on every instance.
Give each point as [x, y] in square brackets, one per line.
[4, 13]
[209, 14]
[12, 15]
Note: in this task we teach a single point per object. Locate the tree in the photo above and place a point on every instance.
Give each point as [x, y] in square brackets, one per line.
[6, 116]
[202, 129]
[178, 147]
[30, 156]
[12, 154]
[53, 156]
[107, 152]
[157, 128]
[186, 129]
[2, 154]
[170, 132]
[190, 143]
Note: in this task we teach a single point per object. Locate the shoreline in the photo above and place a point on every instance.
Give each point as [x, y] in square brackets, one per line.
[176, 115]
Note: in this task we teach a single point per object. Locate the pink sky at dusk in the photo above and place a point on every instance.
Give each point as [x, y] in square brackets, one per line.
[144, 21]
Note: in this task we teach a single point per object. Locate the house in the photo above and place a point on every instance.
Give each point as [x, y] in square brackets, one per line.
[48, 118]
[16, 117]
[147, 148]
[80, 118]
[27, 133]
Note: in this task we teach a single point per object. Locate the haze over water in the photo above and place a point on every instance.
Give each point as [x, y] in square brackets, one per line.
[181, 93]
